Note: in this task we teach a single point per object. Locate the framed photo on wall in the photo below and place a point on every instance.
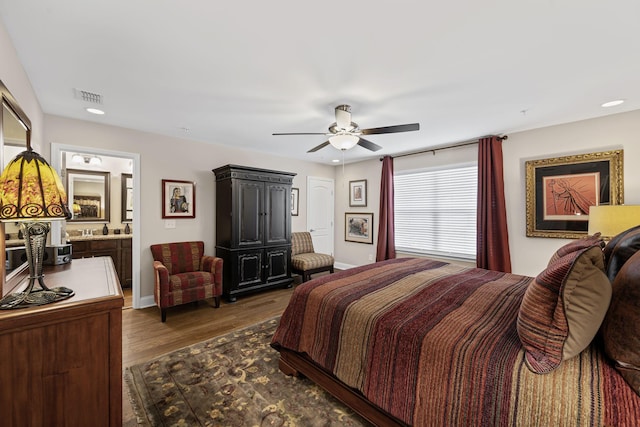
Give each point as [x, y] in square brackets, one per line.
[178, 199]
[358, 193]
[295, 201]
[560, 191]
[358, 227]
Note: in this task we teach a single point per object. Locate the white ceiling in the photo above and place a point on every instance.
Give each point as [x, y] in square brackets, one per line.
[234, 72]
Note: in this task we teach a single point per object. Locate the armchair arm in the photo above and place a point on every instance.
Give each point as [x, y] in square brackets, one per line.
[210, 264]
[214, 265]
[162, 278]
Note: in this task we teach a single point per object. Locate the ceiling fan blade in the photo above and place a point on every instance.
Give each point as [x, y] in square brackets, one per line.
[391, 129]
[369, 145]
[301, 133]
[316, 148]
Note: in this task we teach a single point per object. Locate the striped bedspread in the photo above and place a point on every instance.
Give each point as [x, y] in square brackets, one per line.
[435, 344]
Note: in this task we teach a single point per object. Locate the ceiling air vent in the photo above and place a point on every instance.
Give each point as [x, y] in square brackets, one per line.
[93, 98]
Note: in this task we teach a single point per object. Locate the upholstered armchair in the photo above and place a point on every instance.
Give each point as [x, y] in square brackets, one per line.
[184, 274]
[304, 260]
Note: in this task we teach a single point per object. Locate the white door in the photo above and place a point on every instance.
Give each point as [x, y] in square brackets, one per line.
[320, 213]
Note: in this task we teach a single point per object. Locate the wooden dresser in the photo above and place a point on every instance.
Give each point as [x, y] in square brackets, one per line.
[61, 363]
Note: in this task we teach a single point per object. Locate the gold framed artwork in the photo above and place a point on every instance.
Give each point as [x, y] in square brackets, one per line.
[358, 227]
[560, 191]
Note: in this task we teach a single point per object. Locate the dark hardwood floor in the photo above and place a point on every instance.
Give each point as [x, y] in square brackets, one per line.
[144, 336]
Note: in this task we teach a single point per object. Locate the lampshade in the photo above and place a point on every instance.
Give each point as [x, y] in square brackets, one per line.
[31, 189]
[31, 192]
[612, 220]
[343, 141]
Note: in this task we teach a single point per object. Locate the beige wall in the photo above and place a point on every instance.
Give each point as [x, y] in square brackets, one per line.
[164, 157]
[529, 254]
[15, 79]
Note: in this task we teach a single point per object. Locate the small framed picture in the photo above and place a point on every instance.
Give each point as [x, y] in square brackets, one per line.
[178, 199]
[358, 193]
[295, 201]
[358, 227]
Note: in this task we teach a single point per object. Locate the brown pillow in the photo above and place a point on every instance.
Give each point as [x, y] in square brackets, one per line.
[621, 327]
[563, 307]
[576, 245]
[620, 249]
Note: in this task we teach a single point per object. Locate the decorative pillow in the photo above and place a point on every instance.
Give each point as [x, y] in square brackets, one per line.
[620, 249]
[621, 327]
[576, 245]
[564, 307]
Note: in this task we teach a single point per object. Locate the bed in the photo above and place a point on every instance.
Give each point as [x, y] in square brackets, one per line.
[415, 341]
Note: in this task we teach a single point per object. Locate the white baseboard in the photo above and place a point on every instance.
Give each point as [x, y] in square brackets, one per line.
[343, 266]
[146, 301]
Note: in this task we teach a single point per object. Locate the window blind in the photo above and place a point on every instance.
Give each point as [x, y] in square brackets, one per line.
[435, 211]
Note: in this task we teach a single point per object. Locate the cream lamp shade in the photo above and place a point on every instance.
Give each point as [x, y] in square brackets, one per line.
[613, 220]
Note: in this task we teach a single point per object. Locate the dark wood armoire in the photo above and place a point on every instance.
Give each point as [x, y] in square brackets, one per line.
[253, 228]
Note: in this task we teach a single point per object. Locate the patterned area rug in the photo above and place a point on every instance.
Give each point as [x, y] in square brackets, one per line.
[231, 380]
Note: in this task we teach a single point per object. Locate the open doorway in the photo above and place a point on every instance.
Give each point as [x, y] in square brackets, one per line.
[120, 208]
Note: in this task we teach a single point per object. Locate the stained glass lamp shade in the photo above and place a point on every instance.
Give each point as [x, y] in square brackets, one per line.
[32, 194]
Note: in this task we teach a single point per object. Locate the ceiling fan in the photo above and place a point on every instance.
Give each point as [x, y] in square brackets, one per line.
[345, 134]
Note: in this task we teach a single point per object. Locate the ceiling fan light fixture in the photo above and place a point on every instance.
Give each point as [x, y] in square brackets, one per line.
[343, 141]
[343, 116]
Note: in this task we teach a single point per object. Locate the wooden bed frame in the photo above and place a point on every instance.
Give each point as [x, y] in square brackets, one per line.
[292, 363]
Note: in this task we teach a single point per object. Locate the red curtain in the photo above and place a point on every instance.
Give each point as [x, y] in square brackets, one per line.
[386, 232]
[492, 251]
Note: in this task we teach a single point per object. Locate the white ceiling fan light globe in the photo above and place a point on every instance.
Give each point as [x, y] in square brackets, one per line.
[343, 141]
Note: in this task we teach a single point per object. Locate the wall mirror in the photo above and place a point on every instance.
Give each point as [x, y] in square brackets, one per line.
[15, 127]
[127, 197]
[88, 195]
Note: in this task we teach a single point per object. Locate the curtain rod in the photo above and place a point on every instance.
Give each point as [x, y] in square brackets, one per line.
[446, 147]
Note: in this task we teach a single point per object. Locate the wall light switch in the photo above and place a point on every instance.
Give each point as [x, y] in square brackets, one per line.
[169, 223]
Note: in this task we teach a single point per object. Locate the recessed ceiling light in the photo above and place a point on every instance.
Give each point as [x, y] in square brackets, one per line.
[613, 103]
[94, 111]
[336, 160]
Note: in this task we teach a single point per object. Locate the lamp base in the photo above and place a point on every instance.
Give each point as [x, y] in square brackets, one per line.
[35, 237]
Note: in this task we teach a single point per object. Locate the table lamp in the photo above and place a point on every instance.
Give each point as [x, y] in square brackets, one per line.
[611, 220]
[32, 194]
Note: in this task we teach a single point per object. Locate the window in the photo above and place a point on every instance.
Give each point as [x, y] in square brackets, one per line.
[435, 211]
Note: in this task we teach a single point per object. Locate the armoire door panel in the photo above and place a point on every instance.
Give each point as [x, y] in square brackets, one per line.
[250, 213]
[249, 268]
[277, 264]
[278, 206]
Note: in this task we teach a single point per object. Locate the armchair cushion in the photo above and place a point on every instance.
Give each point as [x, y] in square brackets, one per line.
[301, 243]
[179, 257]
[311, 261]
